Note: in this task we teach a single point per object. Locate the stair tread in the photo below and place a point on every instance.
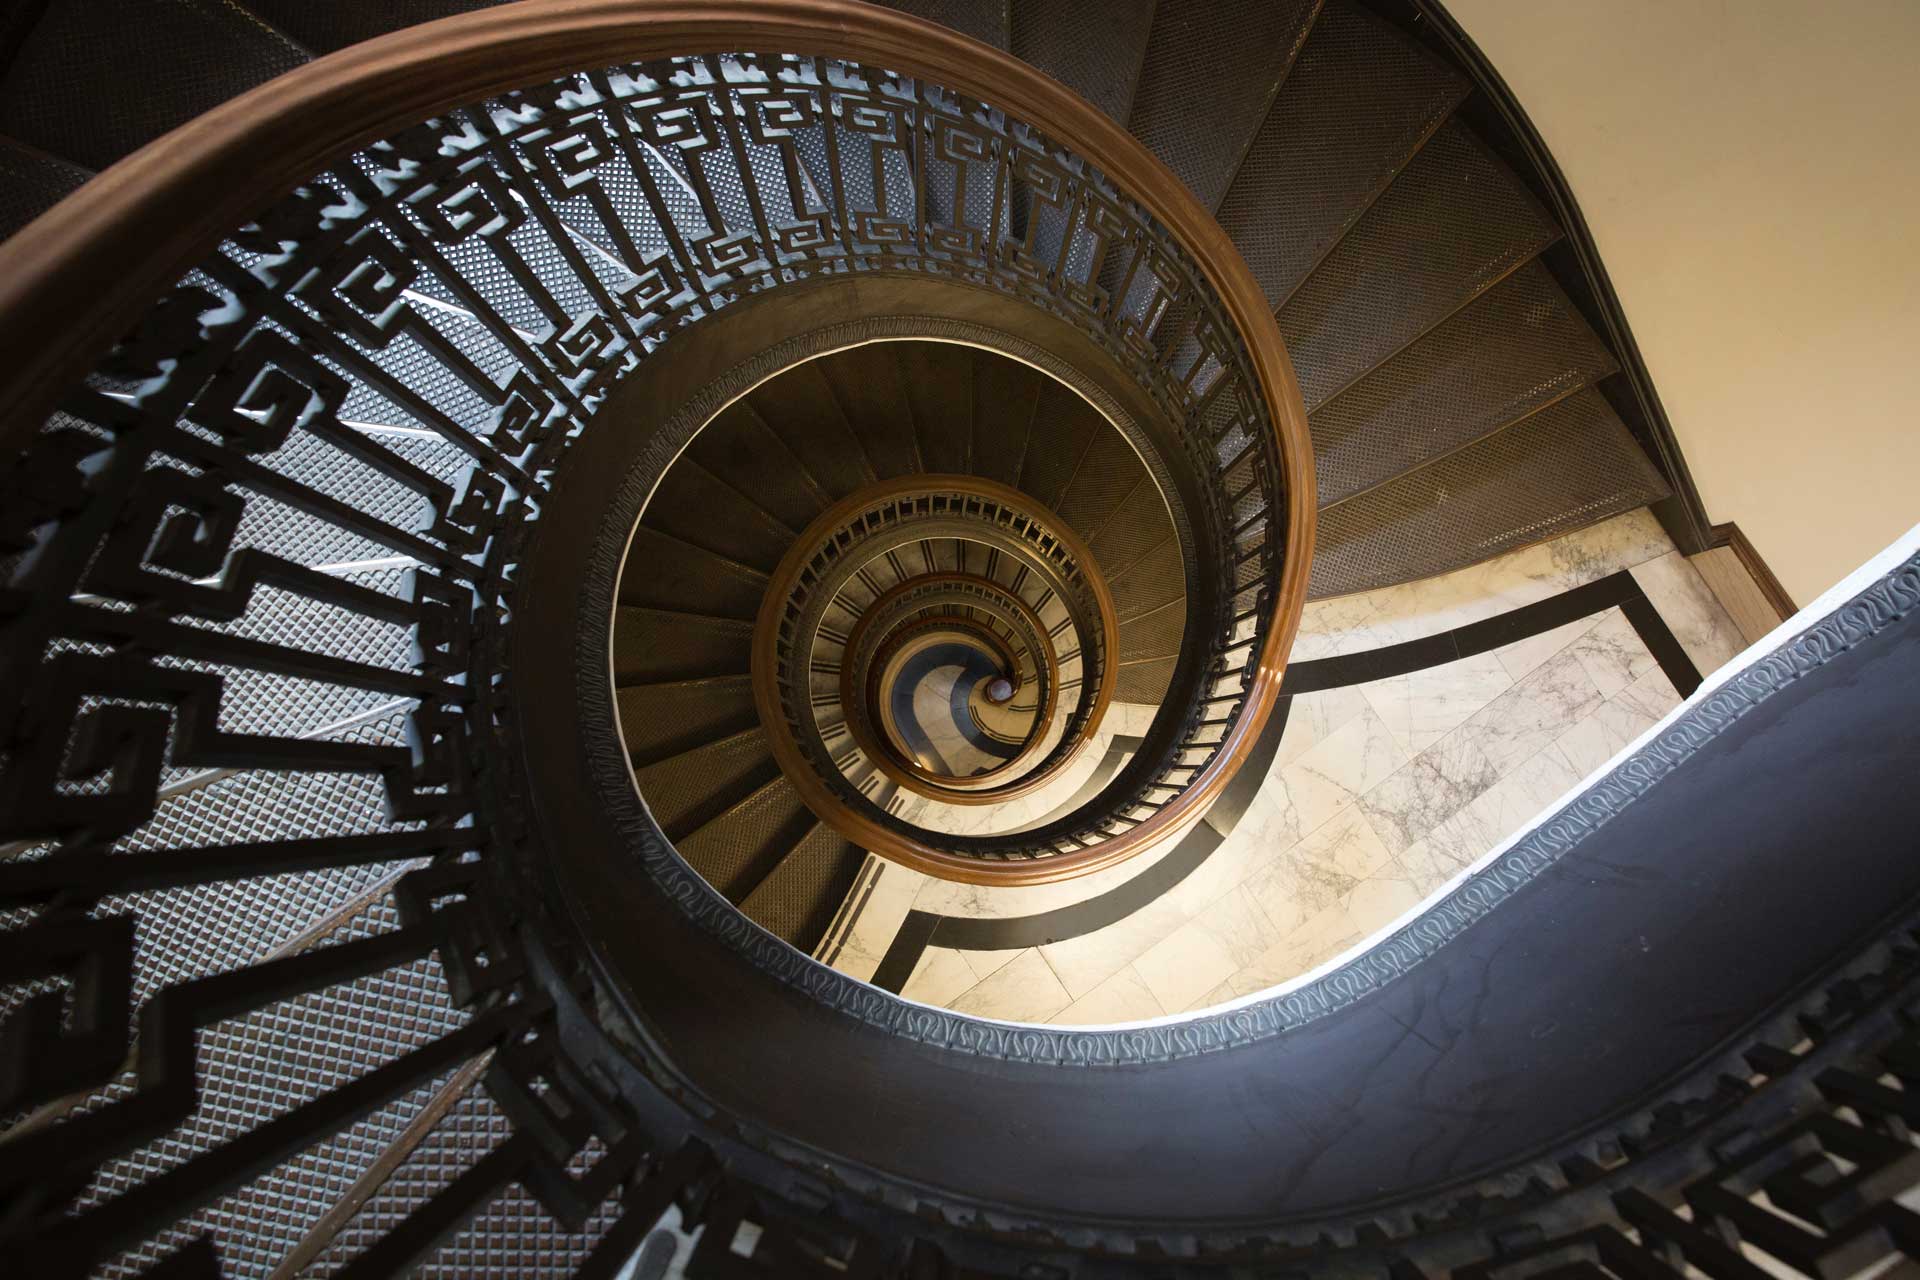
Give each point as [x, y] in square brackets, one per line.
[1565, 467]
[742, 450]
[867, 385]
[1455, 222]
[165, 64]
[1005, 399]
[32, 182]
[799, 898]
[801, 408]
[1107, 472]
[1516, 348]
[984, 20]
[736, 849]
[1094, 47]
[698, 508]
[654, 646]
[659, 721]
[685, 791]
[326, 27]
[1210, 74]
[1064, 427]
[1359, 102]
[662, 572]
[939, 385]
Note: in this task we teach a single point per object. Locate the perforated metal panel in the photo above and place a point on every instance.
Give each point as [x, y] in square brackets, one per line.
[335, 24]
[660, 720]
[1064, 427]
[1359, 102]
[867, 386]
[694, 787]
[737, 447]
[681, 576]
[798, 899]
[31, 182]
[698, 508]
[651, 646]
[1144, 682]
[166, 62]
[1210, 75]
[1453, 223]
[1005, 400]
[1516, 348]
[1108, 473]
[984, 20]
[1094, 47]
[1565, 467]
[735, 850]
[803, 411]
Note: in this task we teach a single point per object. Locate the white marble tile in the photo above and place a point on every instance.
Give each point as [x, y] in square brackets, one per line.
[1687, 606]
[987, 963]
[1522, 656]
[940, 977]
[1219, 995]
[1428, 867]
[874, 929]
[1326, 779]
[1125, 997]
[1618, 721]
[1383, 897]
[1421, 707]
[1266, 830]
[1416, 799]
[1313, 717]
[1612, 654]
[1131, 719]
[1023, 990]
[1522, 722]
[1084, 962]
[1186, 964]
[1513, 804]
[1327, 933]
[1321, 870]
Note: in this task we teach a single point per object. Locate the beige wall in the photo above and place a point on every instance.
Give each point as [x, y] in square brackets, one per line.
[1751, 172]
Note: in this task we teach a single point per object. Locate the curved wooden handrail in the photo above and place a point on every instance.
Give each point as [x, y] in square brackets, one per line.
[83, 274]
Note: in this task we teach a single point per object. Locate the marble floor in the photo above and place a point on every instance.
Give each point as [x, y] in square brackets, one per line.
[1379, 794]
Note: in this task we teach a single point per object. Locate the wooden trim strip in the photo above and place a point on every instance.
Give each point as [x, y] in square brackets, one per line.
[1730, 536]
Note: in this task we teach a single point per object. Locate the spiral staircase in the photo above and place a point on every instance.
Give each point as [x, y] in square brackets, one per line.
[500, 522]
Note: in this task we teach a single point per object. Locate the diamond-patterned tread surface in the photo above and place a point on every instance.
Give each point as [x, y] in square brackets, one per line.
[1358, 103]
[1094, 47]
[326, 25]
[1210, 75]
[798, 899]
[653, 646]
[1516, 348]
[736, 849]
[696, 786]
[658, 721]
[32, 182]
[984, 20]
[1455, 222]
[1567, 466]
[167, 62]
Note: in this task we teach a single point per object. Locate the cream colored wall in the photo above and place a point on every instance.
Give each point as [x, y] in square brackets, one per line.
[1751, 174]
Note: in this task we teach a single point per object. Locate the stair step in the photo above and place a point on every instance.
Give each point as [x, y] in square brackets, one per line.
[803, 411]
[1565, 467]
[698, 508]
[939, 382]
[1108, 471]
[800, 897]
[740, 847]
[1138, 525]
[739, 448]
[1005, 400]
[1515, 349]
[1064, 426]
[984, 20]
[868, 387]
[1454, 223]
[659, 721]
[1359, 102]
[688, 790]
[32, 182]
[1094, 47]
[165, 63]
[1144, 682]
[662, 572]
[652, 646]
[1210, 75]
[339, 23]
[1152, 635]
[1149, 583]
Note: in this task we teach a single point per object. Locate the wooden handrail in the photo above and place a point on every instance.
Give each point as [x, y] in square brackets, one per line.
[80, 276]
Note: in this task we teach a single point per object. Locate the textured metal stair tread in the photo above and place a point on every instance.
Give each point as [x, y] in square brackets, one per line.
[665, 573]
[657, 646]
[736, 849]
[867, 385]
[1360, 101]
[324, 28]
[1514, 350]
[658, 721]
[685, 791]
[938, 380]
[985, 20]
[1210, 76]
[1006, 398]
[1152, 635]
[1065, 427]
[1150, 583]
[1107, 472]
[803, 411]
[742, 450]
[165, 65]
[1095, 47]
[1569, 465]
[1453, 224]
[32, 182]
[1144, 681]
[1137, 524]
[701, 510]
[798, 898]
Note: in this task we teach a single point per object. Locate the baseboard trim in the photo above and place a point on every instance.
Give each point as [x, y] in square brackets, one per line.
[1729, 536]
